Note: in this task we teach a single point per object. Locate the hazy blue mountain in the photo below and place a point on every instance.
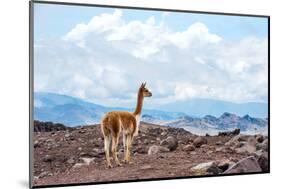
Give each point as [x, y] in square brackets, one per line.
[212, 125]
[202, 107]
[72, 111]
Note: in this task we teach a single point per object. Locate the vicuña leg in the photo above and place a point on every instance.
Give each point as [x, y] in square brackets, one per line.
[114, 149]
[106, 149]
[124, 146]
[128, 148]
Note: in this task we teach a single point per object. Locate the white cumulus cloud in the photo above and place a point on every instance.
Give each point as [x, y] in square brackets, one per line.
[106, 59]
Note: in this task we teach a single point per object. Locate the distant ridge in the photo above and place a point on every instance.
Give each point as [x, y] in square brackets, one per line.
[72, 112]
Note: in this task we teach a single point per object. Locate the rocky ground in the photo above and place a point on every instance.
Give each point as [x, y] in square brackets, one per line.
[65, 156]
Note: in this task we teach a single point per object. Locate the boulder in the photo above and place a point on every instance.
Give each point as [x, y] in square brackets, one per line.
[189, 147]
[37, 144]
[87, 161]
[223, 165]
[141, 150]
[260, 138]
[146, 167]
[71, 160]
[98, 152]
[44, 174]
[246, 165]
[78, 165]
[246, 149]
[224, 149]
[48, 158]
[206, 168]
[171, 143]
[238, 140]
[263, 145]
[199, 141]
[229, 133]
[164, 133]
[252, 141]
[219, 143]
[154, 149]
[193, 153]
[262, 157]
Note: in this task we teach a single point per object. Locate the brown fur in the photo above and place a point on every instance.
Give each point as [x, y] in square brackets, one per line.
[115, 122]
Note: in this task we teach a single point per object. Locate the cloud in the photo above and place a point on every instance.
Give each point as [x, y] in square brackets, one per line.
[106, 59]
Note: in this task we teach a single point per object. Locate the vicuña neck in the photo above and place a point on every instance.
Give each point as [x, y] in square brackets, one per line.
[139, 104]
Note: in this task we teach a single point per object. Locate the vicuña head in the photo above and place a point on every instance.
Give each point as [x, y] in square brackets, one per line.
[115, 122]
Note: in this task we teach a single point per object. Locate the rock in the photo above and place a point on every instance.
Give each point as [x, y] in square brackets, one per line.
[145, 141]
[97, 152]
[204, 146]
[223, 165]
[87, 161]
[206, 168]
[80, 140]
[48, 158]
[239, 138]
[246, 149]
[224, 149]
[154, 149]
[171, 143]
[36, 144]
[252, 141]
[193, 153]
[181, 142]
[219, 143]
[199, 141]
[43, 174]
[239, 144]
[71, 160]
[78, 165]
[87, 154]
[189, 147]
[260, 138]
[229, 133]
[214, 170]
[236, 132]
[234, 141]
[258, 153]
[263, 145]
[141, 150]
[262, 158]
[164, 133]
[145, 167]
[246, 165]
[202, 166]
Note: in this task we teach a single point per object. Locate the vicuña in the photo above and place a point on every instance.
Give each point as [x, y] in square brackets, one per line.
[115, 122]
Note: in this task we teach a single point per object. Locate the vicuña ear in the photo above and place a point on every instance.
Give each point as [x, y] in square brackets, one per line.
[144, 84]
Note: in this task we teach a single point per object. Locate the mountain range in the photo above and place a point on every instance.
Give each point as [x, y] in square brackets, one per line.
[74, 112]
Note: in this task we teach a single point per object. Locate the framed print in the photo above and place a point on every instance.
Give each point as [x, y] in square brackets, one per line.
[125, 94]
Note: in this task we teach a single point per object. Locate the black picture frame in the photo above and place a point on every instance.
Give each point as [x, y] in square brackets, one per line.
[31, 87]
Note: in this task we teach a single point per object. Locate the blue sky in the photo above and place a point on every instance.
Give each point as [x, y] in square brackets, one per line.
[103, 54]
[53, 21]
